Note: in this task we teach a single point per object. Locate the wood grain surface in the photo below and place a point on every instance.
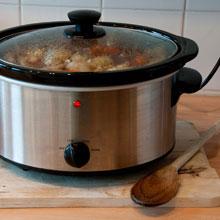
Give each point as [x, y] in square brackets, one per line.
[203, 111]
[200, 110]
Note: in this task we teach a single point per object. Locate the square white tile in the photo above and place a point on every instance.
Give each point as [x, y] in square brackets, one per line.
[170, 21]
[204, 5]
[72, 3]
[145, 4]
[204, 29]
[31, 14]
[10, 1]
[9, 16]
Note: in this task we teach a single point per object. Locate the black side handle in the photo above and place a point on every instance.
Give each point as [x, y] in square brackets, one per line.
[84, 21]
[187, 80]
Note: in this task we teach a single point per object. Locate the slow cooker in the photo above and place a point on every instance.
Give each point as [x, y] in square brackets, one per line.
[83, 95]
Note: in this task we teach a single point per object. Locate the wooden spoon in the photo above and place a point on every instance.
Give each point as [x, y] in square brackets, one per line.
[162, 185]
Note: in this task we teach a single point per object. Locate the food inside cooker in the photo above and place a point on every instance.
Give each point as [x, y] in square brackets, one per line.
[86, 59]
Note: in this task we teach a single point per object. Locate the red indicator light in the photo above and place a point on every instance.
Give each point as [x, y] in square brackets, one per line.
[76, 103]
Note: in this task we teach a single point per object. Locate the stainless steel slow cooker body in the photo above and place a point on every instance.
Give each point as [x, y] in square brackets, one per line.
[92, 121]
[122, 127]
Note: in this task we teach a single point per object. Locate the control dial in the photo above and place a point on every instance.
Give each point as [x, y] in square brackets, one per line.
[77, 154]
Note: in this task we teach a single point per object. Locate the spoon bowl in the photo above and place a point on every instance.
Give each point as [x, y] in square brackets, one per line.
[157, 188]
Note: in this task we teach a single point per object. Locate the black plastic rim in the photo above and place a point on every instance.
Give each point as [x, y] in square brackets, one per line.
[187, 50]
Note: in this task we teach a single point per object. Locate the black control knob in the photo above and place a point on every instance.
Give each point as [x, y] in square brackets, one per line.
[77, 154]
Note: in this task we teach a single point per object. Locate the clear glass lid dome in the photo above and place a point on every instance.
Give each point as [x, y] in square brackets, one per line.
[86, 47]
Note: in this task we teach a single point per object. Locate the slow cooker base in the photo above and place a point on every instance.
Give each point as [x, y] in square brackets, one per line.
[106, 172]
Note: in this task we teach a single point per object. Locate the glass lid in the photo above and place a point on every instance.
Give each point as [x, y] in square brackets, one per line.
[85, 47]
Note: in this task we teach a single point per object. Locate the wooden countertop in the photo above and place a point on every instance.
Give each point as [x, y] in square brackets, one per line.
[201, 110]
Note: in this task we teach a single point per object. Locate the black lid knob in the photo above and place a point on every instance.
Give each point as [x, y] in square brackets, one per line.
[84, 16]
[84, 21]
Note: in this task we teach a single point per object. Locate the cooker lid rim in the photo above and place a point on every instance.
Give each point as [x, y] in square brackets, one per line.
[187, 50]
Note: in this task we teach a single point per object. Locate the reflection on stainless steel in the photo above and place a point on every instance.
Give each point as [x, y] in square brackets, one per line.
[122, 128]
[17, 124]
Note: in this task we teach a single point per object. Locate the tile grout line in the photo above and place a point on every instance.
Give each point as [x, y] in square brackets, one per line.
[20, 20]
[110, 8]
[183, 18]
[101, 10]
[48, 5]
[101, 6]
[143, 9]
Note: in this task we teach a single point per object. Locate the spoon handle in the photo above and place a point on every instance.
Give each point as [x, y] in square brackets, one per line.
[180, 161]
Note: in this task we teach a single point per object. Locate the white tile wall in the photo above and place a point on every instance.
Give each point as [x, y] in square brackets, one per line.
[167, 20]
[204, 28]
[145, 4]
[33, 14]
[9, 16]
[72, 3]
[196, 19]
[9, 1]
[203, 5]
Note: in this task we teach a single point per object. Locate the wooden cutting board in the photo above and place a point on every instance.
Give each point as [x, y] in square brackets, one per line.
[200, 184]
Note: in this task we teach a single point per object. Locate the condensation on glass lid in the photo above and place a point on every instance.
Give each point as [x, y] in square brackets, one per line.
[117, 50]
